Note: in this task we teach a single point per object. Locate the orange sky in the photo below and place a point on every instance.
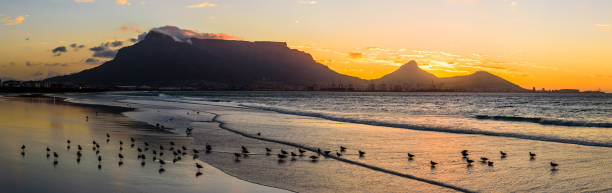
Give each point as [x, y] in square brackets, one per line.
[550, 44]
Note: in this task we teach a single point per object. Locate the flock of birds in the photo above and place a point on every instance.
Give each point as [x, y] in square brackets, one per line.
[143, 148]
[465, 155]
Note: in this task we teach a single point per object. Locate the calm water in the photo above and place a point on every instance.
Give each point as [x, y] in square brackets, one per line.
[571, 129]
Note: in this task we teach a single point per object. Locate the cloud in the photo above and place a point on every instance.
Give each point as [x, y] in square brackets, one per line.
[307, 2]
[92, 61]
[130, 28]
[123, 2]
[59, 50]
[84, 1]
[9, 21]
[184, 35]
[55, 64]
[116, 44]
[355, 55]
[30, 64]
[76, 46]
[37, 74]
[204, 4]
[603, 27]
[103, 51]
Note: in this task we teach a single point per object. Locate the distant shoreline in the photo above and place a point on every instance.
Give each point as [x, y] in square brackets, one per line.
[94, 90]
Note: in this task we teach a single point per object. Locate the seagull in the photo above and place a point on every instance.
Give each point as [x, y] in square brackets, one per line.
[198, 166]
[79, 147]
[68, 141]
[198, 174]
[503, 154]
[55, 155]
[142, 163]
[342, 148]
[554, 165]
[79, 154]
[195, 151]
[282, 156]
[120, 142]
[208, 148]
[283, 151]
[237, 155]
[293, 154]
[120, 156]
[314, 157]
[23, 147]
[432, 163]
[490, 163]
[532, 155]
[338, 154]
[464, 153]
[172, 143]
[301, 151]
[361, 153]
[107, 135]
[161, 147]
[99, 158]
[146, 144]
[161, 170]
[483, 159]
[410, 156]
[326, 153]
[48, 149]
[469, 161]
[184, 148]
[132, 139]
[162, 162]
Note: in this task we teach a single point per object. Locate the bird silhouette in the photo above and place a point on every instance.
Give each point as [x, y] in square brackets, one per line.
[433, 164]
[410, 156]
[554, 165]
[361, 153]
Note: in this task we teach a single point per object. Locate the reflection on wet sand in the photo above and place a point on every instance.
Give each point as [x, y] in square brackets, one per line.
[52, 146]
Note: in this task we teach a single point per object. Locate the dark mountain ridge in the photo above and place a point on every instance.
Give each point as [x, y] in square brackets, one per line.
[159, 60]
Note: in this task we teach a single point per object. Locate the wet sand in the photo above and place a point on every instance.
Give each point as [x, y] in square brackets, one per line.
[44, 122]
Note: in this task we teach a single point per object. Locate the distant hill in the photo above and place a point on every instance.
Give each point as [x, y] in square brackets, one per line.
[162, 60]
[480, 81]
[410, 77]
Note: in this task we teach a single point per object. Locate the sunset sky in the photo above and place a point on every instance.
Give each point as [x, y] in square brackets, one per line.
[547, 43]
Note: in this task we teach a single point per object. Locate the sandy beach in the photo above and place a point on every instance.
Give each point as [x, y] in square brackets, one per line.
[46, 122]
[226, 127]
[384, 168]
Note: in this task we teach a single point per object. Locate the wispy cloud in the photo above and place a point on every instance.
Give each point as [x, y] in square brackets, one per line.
[307, 2]
[204, 4]
[130, 28]
[603, 27]
[84, 1]
[123, 2]
[8, 20]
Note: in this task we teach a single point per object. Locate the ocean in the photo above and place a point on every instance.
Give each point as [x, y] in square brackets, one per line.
[573, 130]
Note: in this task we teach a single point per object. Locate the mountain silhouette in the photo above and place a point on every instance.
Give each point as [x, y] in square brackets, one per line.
[159, 60]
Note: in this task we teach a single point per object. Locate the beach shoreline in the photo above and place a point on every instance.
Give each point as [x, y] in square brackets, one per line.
[329, 175]
[96, 120]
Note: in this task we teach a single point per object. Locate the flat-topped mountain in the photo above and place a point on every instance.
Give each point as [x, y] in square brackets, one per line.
[160, 60]
[164, 60]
